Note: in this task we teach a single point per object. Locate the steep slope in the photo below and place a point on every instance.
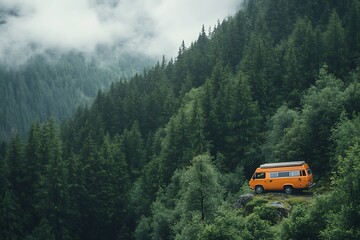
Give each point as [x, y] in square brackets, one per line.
[163, 155]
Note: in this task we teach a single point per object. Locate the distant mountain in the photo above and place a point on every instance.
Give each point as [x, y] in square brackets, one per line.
[53, 85]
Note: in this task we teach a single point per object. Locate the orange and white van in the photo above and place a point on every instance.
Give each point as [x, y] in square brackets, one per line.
[286, 176]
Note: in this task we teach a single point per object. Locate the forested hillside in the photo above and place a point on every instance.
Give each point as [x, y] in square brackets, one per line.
[55, 84]
[165, 154]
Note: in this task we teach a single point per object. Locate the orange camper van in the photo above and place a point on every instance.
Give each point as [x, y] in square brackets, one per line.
[286, 176]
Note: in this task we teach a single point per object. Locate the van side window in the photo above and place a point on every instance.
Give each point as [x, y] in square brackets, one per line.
[295, 173]
[283, 174]
[260, 175]
[273, 175]
[303, 173]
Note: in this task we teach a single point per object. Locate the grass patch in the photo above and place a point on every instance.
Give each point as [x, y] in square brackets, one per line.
[297, 200]
[287, 200]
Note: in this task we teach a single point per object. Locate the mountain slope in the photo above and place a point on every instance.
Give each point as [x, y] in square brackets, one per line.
[164, 155]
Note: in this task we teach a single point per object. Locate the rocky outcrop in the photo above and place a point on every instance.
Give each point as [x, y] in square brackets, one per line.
[281, 208]
[243, 200]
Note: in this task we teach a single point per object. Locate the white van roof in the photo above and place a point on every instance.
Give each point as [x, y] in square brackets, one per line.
[282, 164]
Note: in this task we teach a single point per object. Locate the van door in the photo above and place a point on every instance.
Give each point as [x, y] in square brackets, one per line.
[259, 179]
[302, 179]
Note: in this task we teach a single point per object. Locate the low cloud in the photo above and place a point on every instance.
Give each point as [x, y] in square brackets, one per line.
[152, 27]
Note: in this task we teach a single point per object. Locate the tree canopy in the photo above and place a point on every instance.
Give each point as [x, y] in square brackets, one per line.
[162, 154]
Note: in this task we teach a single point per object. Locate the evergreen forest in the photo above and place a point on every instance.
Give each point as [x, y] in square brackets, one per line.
[166, 153]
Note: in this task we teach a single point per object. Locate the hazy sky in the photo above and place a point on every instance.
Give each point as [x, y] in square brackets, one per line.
[155, 27]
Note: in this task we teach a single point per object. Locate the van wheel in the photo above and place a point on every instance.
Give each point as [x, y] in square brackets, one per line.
[288, 189]
[259, 189]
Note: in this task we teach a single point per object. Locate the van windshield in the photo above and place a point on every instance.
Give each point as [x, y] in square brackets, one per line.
[260, 175]
[309, 171]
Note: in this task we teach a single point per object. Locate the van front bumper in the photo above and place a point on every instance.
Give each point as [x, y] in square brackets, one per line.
[311, 185]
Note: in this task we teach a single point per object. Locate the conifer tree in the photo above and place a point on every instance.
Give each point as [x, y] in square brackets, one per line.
[199, 142]
[15, 161]
[259, 64]
[52, 194]
[11, 223]
[133, 148]
[302, 60]
[352, 30]
[242, 130]
[335, 48]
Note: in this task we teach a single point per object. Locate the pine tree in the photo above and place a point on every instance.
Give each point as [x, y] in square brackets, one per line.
[15, 161]
[52, 194]
[352, 30]
[242, 130]
[302, 60]
[335, 48]
[278, 18]
[33, 169]
[259, 64]
[11, 223]
[133, 148]
[199, 142]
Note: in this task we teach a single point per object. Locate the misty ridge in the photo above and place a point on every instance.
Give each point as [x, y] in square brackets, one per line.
[56, 55]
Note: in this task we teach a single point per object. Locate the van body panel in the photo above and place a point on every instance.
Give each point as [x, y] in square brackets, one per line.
[275, 176]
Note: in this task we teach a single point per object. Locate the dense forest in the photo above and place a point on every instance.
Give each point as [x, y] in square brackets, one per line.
[165, 154]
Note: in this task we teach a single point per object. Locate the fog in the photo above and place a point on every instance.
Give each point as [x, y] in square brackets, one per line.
[152, 27]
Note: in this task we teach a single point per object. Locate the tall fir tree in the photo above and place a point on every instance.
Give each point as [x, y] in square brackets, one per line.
[335, 46]
[52, 194]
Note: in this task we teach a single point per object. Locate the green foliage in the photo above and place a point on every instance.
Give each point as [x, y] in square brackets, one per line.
[309, 136]
[345, 134]
[143, 229]
[163, 220]
[163, 154]
[278, 125]
[302, 59]
[42, 232]
[200, 191]
[10, 222]
[133, 149]
[233, 181]
[352, 97]
[242, 132]
[339, 208]
[52, 191]
[257, 64]
[334, 43]
[253, 204]
[298, 226]
[227, 225]
[268, 213]
[342, 219]
[190, 229]
[256, 228]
